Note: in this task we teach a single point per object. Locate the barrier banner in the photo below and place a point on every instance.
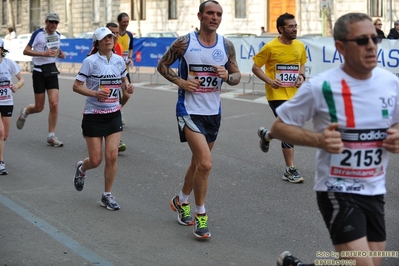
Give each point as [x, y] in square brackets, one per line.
[320, 51]
[148, 51]
[76, 50]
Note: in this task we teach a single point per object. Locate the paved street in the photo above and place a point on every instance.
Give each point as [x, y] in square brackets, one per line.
[254, 215]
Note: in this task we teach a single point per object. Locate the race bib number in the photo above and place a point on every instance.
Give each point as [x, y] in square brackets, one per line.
[53, 42]
[363, 155]
[207, 75]
[288, 74]
[113, 85]
[5, 90]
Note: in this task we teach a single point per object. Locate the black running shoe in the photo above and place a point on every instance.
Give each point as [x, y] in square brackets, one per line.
[286, 259]
[183, 211]
[263, 143]
[79, 178]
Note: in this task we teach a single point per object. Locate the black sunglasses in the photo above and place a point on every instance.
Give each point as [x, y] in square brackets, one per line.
[363, 41]
[53, 21]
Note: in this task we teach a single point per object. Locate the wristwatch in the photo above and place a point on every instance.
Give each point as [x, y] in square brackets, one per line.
[230, 78]
[304, 77]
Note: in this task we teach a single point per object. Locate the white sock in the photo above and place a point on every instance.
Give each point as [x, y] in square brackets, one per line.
[107, 193]
[51, 134]
[200, 209]
[267, 136]
[183, 198]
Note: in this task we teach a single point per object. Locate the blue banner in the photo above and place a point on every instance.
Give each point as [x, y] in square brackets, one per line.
[148, 51]
[76, 50]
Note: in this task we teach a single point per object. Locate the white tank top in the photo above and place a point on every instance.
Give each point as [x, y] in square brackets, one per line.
[197, 63]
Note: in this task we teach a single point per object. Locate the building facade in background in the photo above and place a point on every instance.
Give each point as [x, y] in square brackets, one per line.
[180, 16]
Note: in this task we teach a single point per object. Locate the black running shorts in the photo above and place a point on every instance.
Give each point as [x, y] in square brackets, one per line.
[6, 110]
[41, 84]
[351, 216]
[273, 105]
[101, 125]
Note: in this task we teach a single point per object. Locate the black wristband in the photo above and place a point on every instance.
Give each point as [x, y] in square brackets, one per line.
[304, 77]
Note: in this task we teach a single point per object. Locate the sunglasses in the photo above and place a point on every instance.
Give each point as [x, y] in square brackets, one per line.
[296, 26]
[363, 41]
[52, 21]
[379, 24]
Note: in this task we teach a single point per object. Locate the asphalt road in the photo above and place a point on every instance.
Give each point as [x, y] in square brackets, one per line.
[254, 215]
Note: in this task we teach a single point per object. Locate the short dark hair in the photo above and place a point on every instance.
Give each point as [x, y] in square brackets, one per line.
[202, 5]
[111, 25]
[281, 20]
[121, 16]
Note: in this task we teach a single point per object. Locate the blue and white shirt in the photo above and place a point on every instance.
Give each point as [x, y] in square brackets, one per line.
[42, 41]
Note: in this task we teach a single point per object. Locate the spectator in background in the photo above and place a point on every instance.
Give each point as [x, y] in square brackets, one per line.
[262, 31]
[10, 34]
[378, 26]
[394, 32]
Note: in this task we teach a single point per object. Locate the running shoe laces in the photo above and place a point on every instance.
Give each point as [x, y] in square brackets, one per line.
[202, 221]
[186, 210]
[293, 171]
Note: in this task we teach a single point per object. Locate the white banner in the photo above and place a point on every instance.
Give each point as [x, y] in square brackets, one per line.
[320, 51]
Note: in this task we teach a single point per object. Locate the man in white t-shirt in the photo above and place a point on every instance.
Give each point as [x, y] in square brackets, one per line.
[355, 113]
[44, 47]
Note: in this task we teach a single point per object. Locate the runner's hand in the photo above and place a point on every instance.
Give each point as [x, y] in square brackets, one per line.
[222, 73]
[191, 85]
[391, 142]
[129, 88]
[331, 139]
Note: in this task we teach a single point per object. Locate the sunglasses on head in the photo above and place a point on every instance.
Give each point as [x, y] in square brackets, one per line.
[364, 40]
[52, 21]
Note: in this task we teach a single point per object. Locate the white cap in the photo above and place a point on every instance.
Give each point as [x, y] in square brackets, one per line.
[100, 33]
[1, 43]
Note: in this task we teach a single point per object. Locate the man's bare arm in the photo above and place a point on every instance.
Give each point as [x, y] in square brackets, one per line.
[175, 51]
[234, 71]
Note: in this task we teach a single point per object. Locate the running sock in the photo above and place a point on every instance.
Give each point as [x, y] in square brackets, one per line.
[267, 136]
[81, 171]
[200, 209]
[51, 134]
[183, 198]
[107, 194]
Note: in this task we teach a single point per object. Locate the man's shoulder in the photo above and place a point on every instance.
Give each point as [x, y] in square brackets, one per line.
[37, 33]
[130, 34]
